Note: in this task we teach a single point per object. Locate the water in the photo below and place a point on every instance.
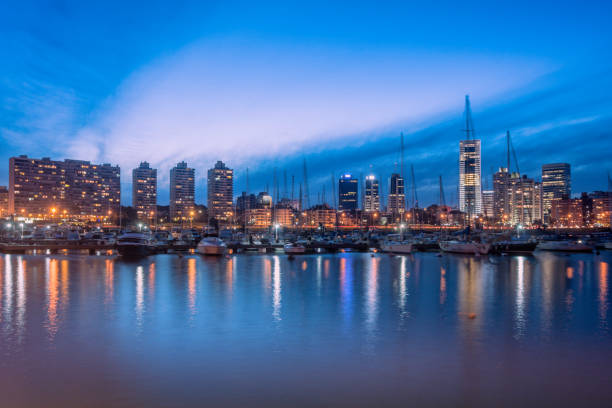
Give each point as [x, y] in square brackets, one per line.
[320, 330]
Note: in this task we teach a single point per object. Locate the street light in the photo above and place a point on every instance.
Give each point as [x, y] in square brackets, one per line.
[21, 225]
[140, 226]
[276, 226]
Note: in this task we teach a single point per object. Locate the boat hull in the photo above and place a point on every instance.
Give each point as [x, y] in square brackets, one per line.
[470, 248]
[211, 250]
[134, 251]
[514, 247]
[564, 247]
[396, 248]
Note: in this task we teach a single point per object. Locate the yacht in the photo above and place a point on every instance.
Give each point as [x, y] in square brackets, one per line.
[211, 246]
[396, 245]
[134, 244]
[294, 248]
[465, 247]
[565, 246]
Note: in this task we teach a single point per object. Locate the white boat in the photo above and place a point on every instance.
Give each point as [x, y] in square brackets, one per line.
[296, 248]
[564, 246]
[211, 246]
[465, 247]
[396, 247]
[608, 245]
[134, 244]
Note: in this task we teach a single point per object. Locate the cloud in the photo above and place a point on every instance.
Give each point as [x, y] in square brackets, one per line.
[249, 104]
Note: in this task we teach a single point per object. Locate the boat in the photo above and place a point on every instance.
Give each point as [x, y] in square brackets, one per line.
[564, 246]
[294, 248]
[134, 244]
[211, 246]
[608, 245]
[396, 245]
[514, 247]
[465, 247]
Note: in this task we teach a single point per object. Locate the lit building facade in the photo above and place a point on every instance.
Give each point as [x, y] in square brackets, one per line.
[4, 201]
[556, 184]
[524, 200]
[182, 192]
[220, 192]
[470, 194]
[44, 188]
[488, 204]
[144, 191]
[396, 203]
[371, 199]
[501, 202]
[348, 190]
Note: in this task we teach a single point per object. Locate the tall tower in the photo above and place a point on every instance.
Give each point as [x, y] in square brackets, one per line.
[144, 191]
[372, 195]
[348, 189]
[470, 185]
[221, 192]
[182, 192]
[556, 184]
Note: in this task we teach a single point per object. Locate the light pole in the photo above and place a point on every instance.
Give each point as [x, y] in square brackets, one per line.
[276, 226]
[21, 225]
[190, 219]
[140, 226]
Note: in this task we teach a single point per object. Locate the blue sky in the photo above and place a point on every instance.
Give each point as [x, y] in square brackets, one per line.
[265, 85]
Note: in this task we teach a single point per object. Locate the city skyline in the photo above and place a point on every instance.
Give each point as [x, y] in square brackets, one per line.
[338, 94]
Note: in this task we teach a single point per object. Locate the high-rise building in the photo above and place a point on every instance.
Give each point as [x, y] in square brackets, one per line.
[524, 200]
[94, 189]
[43, 188]
[488, 204]
[556, 184]
[144, 191]
[182, 192]
[36, 186]
[470, 194]
[220, 192]
[501, 202]
[470, 180]
[397, 198]
[4, 201]
[348, 189]
[371, 199]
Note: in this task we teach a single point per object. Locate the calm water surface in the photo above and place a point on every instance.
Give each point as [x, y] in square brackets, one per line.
[319, 330]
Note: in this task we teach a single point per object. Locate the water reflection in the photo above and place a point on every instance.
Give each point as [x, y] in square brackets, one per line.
[603, 295]
[21, 297]
[519, 306]
[51, 277]
[371, 300]
[224, 321]
[109, 281]
[276, 293]
[191, 285]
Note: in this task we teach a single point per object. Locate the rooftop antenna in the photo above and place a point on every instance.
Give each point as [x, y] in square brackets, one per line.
[285, 191]
[306, 192]
[442, 198]
[292, 187]
[333, 184]
[469, 124]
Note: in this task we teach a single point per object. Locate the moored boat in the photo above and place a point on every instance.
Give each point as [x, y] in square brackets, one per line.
[564, 246]
[396, 247]
[294, 248]
[134, 244]
[211, 246]
[514, 247]
[465, 247]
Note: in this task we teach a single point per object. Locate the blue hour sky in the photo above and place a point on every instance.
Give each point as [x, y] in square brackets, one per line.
[265, 85]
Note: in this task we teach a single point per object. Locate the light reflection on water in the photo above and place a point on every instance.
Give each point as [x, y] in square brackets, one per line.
[355, 325]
